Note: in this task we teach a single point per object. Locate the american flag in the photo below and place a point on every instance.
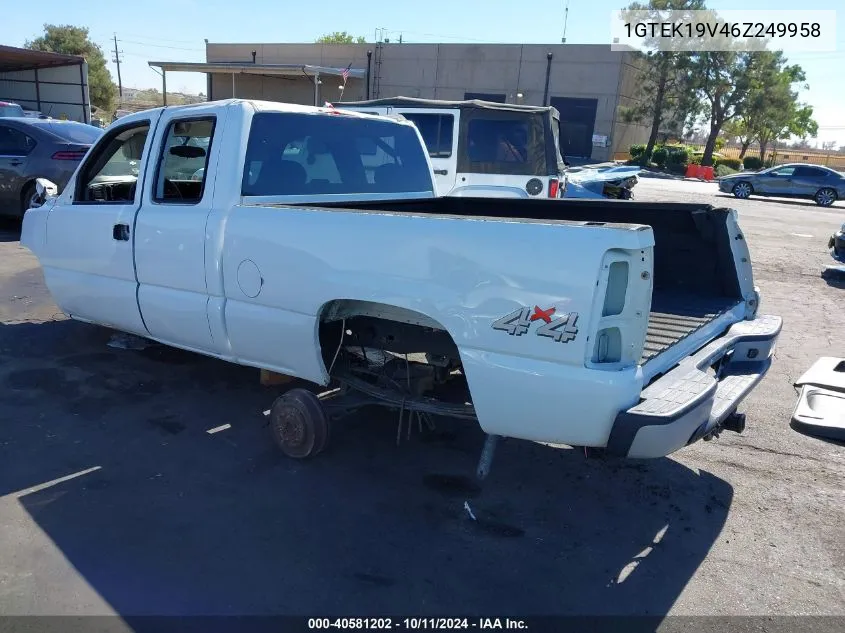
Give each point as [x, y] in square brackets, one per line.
[345, 73]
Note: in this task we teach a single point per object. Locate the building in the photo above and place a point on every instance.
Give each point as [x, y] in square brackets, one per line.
[586, 83]
[54, 84]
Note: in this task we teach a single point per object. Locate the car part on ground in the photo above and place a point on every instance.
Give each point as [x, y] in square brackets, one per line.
[820, 410]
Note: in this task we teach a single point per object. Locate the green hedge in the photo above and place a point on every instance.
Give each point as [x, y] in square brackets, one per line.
[732, 163]
[752, 162]
[724, 169]
[637, 151]
[660, 155]
[678, 155]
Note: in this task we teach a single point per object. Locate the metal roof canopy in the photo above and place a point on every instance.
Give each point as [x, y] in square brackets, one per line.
[245, 68]
[13, 59]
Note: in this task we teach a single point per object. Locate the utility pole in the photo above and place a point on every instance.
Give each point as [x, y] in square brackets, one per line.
[116, 60]
[565, 20]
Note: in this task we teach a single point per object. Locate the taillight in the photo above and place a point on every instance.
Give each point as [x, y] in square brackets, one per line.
[553, 187]
[73, 155]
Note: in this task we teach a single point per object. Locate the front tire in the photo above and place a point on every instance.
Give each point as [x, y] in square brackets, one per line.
[743, 190]
[825, 197]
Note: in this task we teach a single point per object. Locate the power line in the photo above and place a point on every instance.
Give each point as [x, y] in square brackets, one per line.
[178, 48]
[159, 39]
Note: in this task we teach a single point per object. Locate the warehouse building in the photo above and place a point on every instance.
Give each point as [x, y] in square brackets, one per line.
[586, 83]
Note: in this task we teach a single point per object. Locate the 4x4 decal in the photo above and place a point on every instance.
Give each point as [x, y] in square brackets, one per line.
[561, 329]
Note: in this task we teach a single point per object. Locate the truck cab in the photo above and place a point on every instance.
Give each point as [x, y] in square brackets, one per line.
[483, 149]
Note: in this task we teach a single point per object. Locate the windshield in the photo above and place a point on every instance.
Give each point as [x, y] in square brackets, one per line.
[314, 155]
[10, 109]
[73, 132]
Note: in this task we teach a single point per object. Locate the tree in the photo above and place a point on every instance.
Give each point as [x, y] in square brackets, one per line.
[663, 91]
[723, 79]
[74, 40]
[340, 37]
[773, 110]
[829, 146]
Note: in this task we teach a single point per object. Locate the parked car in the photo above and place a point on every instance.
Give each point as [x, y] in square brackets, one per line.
[795, 180]
[38, 148]
[589, 323]
[479, 148]
[34, 114]
[8, 109]
[837, 243]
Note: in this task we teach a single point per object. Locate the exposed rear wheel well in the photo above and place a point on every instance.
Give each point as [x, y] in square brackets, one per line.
[399, 331]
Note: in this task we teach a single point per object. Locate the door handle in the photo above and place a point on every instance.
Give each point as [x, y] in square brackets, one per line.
[441, 172]
[15, 163]
[121, 232]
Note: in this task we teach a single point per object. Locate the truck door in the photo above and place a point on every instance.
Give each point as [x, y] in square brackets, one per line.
[438, 129]
[88, 261]
[170, 232]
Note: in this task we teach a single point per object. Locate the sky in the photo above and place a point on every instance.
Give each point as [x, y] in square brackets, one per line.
[175, 30]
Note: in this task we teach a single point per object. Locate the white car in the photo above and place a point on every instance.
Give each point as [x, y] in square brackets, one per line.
[623, 325]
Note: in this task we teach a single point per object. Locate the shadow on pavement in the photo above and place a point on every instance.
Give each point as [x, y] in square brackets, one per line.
[10, 229]
[175, 520]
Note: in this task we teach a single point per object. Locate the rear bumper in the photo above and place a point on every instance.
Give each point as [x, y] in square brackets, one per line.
[690, 401]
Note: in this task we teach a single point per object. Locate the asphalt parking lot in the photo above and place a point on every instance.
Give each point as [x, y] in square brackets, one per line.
[115, 498]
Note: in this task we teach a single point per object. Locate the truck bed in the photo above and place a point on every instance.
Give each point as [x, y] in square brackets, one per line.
[695, 276]
[674, 317]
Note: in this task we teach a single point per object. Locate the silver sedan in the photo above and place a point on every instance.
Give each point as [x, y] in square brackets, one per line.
[796, 180]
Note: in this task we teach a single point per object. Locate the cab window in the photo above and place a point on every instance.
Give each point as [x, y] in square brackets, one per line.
[182, 167]
[110, 174]
[317, 155]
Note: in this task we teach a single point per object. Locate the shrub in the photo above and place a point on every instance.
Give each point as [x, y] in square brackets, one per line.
[677, 168]
[660, 156]
[678, 155]
[752, 162]
[637, 151]
[724, 170]
[733, 163]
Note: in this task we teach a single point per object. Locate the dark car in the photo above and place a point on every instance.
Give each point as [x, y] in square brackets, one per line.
[38, 148]
[796, 180]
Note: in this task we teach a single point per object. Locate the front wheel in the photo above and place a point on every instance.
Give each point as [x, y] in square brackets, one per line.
[825, 197]
[743, 190]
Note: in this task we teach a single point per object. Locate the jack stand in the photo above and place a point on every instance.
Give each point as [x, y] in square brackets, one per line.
[487, 456]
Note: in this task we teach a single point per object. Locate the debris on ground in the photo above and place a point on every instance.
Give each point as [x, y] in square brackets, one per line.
[121, 340]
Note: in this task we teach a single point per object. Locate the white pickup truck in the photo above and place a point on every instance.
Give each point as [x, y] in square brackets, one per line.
[309, 241]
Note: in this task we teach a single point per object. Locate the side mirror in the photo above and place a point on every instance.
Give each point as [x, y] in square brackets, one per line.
[44, 190]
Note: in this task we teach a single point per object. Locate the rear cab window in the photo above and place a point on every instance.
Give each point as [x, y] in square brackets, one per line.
[182, 165]
[290, 154]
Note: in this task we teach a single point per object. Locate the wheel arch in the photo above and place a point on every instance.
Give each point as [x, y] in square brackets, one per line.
[333, 313]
